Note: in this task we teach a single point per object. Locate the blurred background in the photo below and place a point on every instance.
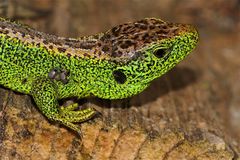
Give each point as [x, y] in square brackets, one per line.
[214, 66]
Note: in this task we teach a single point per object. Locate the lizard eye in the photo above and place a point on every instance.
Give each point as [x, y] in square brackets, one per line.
[119, 76]
[160, 53]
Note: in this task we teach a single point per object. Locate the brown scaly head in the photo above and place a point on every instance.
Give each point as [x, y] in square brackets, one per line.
[122, 42]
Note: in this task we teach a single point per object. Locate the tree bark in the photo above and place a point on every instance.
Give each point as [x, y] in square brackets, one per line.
[186, 114]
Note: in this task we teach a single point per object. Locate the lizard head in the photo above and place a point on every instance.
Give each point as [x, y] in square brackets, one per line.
[141, 52]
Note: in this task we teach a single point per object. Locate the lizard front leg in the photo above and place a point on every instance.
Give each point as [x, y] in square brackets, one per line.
[45, 95]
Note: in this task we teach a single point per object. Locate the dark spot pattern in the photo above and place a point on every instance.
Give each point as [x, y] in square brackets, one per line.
[87, 45]
[45, 42]
[69, 55]
[124, 40]
[120, 42]
[51, 47]
[60, 49]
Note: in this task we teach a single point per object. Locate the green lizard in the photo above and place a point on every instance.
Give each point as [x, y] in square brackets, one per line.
[112, 65]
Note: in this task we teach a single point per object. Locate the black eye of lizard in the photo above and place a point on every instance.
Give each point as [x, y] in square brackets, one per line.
[119, 76]
[160, 53]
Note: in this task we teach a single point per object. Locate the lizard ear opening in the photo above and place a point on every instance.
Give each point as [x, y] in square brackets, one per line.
[119, 76]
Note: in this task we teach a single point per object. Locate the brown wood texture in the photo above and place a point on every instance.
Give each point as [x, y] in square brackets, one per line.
[192, 112]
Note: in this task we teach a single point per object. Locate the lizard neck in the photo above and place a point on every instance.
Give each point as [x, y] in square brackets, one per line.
[78, 47]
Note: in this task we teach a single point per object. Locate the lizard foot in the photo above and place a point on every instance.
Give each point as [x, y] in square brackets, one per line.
[68, 116]
[71, 114]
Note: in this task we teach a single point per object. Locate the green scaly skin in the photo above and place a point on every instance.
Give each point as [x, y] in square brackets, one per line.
[113, 65]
